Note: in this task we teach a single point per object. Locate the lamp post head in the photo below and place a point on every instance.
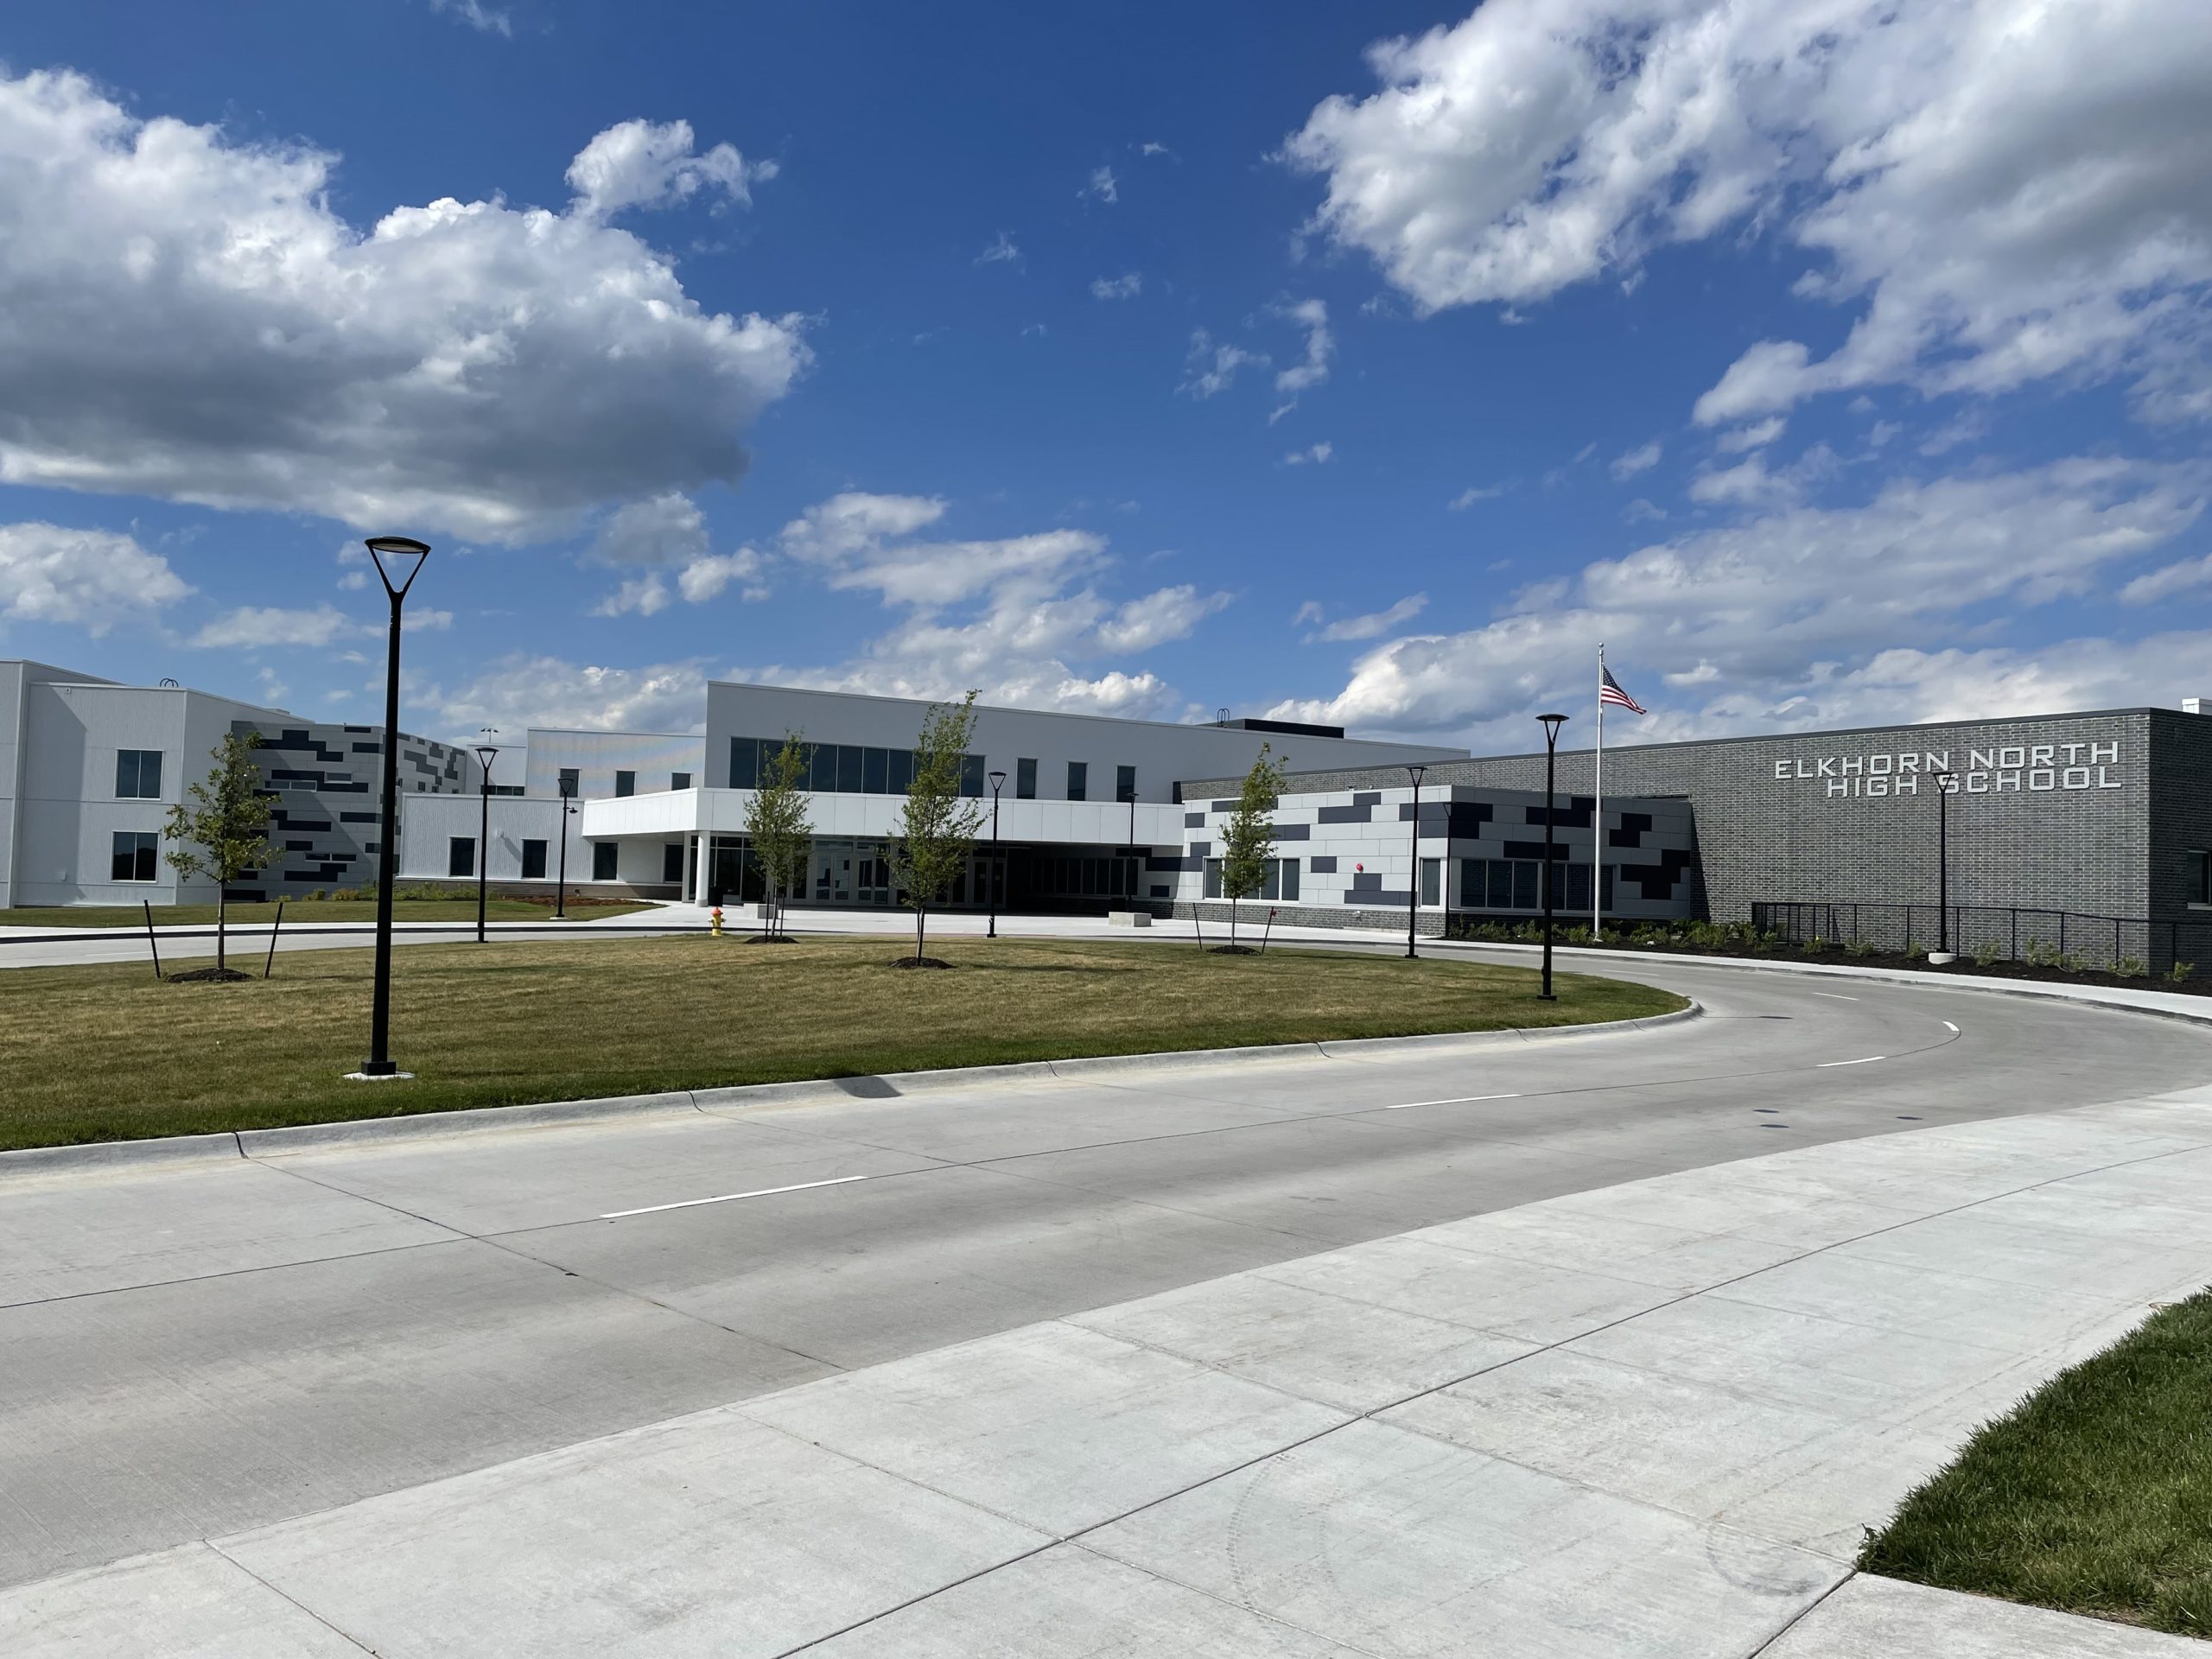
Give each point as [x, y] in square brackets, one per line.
[405, 555]
[1416, 773]
[484, 754]
[998, 782]
[1552, 723]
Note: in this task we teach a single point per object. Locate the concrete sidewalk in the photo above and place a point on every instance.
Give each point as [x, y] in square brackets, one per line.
[1646, 1420]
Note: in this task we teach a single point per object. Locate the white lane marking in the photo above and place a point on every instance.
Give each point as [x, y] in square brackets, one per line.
[1866, 1060]
[1949, 1026]
[1456, 1100]
[1836, 996]
[732, 1197]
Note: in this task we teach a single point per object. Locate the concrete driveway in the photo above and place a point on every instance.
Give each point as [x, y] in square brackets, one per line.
[213, 1350]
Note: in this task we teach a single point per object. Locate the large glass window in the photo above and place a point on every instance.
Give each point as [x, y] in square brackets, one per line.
[875, 771]
[821, 769]
[1025, 780]
[137, 853]
[1125, 783]
[2199, 877]
[973, 779]
[1078, 780]
[460, 856]
[625, 783]
[1432, 881]
[852, 768]
[533, 861]
[902, 771]
[1213, 878]
[138, 775]
[603, 856]
[744, 762]
[671, 861]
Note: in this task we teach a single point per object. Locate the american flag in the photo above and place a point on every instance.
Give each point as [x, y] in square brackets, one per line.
[1609, 691]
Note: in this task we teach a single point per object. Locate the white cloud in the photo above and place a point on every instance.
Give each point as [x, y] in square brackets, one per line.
[1642, 459]
[1472, 493]
[251, 626]
[1212, 368]
[661, 530]
[645, 595]
[1127, 286]
[2004, 193]
[92, 579]
[520, 691]
[1103, 185]
[1794, 611]
[1152, 147]
[2184, 577]
[1642, 510]
[1312, 455]
[477, 16]
[652, 164]
[1371, 627]
[1000, 252]
[1312, 315]
[1756, 437]
[1009, 615]
[705, 578]
[187, 318]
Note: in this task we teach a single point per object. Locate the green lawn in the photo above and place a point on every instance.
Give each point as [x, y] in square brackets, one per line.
[304, 910]
[2093, 1494]
[99, 1053]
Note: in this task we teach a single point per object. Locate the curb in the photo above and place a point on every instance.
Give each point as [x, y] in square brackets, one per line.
[736, 1099]
[2087, 996]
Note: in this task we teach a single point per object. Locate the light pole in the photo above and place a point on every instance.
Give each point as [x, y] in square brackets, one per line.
[485, 753]
[1552, 723]
[1943, 782]
[998, 783]
[407, 556]
[1412, 880]
[561, 886]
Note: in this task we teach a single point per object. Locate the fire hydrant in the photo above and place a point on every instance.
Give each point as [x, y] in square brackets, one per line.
[715, 915]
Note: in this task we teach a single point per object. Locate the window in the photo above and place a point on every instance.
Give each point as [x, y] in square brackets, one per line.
[902, 771]
[460, 856]
[1213, 878]
[625, 783]
[973, 782]
[603, 855]
[875, 771]
[679, 780]
[1432, 881]
[533, 861]
[2199, 878]
[671, 861]
[1125, 783]
[135, 854]
[137, 774]
[1078, 780]
[1025, 780]
[822, 768]
[571, 780]
[744, 762]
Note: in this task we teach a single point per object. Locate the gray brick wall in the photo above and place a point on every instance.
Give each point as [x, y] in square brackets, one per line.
[325, 786]
[2077, 833]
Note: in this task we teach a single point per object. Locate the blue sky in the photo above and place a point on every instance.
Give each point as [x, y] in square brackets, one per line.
[1368, 364]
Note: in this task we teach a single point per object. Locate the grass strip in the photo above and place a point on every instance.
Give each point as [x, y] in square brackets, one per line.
[2092, 1496]
[55, 918]
[101, 1053]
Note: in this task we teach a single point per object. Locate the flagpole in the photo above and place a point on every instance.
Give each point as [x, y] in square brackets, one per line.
[1597, 814]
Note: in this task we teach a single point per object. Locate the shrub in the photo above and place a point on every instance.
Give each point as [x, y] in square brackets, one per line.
[1859, 948]
[2180, 971]
[1986, 955]
[2129, 968]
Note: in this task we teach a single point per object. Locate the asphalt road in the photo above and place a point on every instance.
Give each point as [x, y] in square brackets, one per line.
[196, 1349]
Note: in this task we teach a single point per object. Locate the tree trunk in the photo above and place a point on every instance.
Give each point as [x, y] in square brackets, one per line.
[921, 917]
[222, 911]
[1232, 921]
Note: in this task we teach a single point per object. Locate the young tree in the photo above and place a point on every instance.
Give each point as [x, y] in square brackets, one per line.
[936, 831]
[1248, 838]
[776, 822]
[222, 834]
